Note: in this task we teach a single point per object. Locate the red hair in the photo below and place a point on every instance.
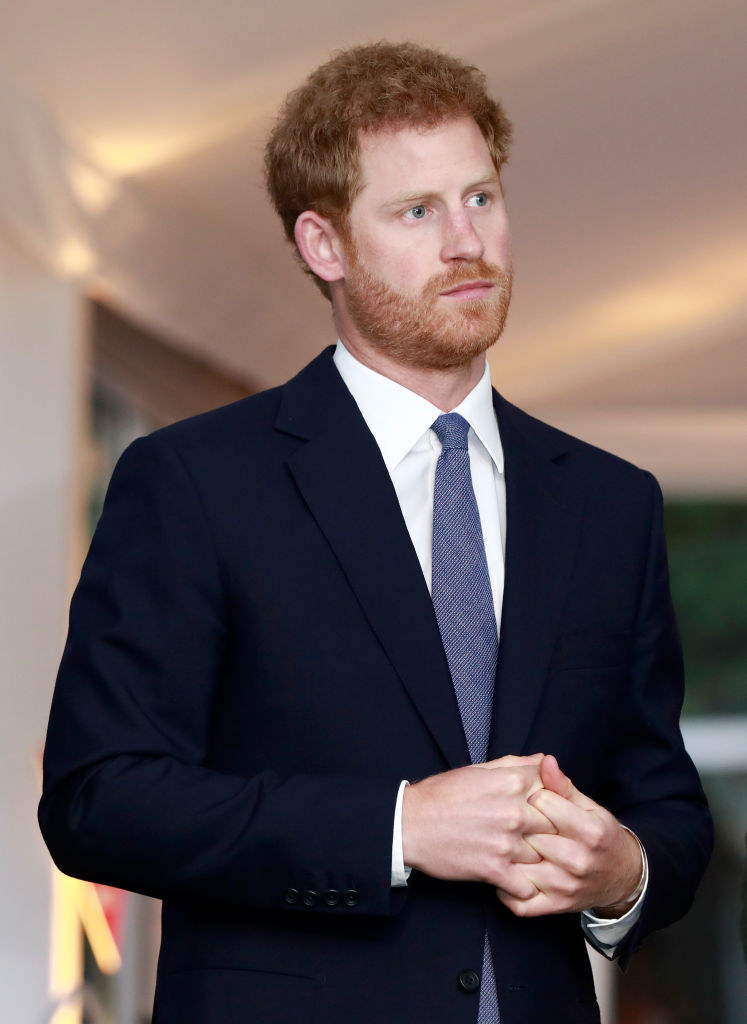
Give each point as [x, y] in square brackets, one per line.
[312, 154]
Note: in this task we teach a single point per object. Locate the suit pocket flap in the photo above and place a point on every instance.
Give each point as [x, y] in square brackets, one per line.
[219, 995]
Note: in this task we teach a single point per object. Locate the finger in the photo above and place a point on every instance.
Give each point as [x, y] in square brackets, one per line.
[512, 760]
[514, 780]
[514, 882]
[570, 817]
[555, 882]
[536, 906]
[525, 854]
[554, 780]
[558, 851]
[537, 822]
[534, 784]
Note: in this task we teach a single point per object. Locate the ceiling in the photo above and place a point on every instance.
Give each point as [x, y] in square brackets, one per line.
[131, 140]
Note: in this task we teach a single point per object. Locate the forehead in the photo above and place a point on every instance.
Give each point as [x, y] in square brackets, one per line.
[407, 158]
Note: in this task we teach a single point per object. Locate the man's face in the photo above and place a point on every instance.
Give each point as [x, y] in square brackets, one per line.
[428, 266]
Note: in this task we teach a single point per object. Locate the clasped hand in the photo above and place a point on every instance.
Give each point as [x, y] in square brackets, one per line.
[520, 825]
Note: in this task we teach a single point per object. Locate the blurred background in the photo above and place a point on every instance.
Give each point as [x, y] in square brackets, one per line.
[143, 278]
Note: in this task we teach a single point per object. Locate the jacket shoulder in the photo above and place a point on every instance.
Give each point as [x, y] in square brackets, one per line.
[559, 446]
[241, 419]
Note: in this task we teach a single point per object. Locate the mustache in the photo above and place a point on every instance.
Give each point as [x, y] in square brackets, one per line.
[463, 273]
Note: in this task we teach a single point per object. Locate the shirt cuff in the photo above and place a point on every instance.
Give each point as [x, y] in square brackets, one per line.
[400, 873]
[606, 934]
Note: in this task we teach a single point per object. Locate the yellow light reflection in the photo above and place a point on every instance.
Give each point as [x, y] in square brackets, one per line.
[75, 258]
[124, 156]
[130, 153]
[662, 308]
[66, 950]
[70, 1012]
[631, 325]
[93, 189]
[76, 910]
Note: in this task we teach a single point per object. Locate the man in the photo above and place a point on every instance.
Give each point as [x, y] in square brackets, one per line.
[295, 606]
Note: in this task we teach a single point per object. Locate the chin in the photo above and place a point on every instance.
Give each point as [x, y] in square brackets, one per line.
[420, 331]
[468, 335]
[447, 355]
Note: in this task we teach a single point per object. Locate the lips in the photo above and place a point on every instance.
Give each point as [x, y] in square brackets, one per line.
[469, 290]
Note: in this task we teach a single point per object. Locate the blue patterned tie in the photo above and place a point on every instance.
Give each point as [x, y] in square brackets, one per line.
[463, 602]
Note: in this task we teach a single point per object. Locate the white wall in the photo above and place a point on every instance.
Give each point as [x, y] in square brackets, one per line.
[41, 360]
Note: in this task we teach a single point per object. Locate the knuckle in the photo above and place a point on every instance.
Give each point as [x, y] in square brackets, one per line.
[495, 875]
[513, 819]
[594, 834]
[567, 887]
[594, 838]
[535, 806]
[502, 846]
[580, 863]
[515, 782]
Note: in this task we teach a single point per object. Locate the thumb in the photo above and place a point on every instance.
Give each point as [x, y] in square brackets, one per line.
[554, 779]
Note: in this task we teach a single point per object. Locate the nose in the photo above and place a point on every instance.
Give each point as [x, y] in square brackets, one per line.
[461, 241]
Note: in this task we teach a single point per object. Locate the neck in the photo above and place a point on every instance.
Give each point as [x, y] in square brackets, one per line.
[444, 388]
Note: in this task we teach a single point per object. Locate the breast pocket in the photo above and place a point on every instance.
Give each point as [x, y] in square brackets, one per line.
[581, 701]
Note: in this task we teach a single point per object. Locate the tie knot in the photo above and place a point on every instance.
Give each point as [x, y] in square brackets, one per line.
[451, 429]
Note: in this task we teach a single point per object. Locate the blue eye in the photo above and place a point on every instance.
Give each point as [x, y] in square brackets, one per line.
[481, 199]
[418, 212]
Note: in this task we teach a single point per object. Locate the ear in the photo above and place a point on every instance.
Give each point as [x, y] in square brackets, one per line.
[320, 245]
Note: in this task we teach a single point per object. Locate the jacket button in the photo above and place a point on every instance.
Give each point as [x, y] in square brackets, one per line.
[332, 897]
[309, 898]
[350, 897]
[291, 896]
[469, 981]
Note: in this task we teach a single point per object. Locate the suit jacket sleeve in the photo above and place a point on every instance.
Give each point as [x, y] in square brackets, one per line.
[129, 796]
[652, 785]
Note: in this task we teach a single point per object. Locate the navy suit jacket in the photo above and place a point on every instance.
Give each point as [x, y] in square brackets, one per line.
[254, 664]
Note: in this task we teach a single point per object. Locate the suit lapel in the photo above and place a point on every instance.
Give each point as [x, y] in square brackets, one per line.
[343, 480]
[543, 517]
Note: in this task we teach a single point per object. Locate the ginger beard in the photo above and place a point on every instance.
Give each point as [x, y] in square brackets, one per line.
[425, 330]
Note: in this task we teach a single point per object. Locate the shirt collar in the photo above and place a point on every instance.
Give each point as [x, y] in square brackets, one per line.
[398, 418]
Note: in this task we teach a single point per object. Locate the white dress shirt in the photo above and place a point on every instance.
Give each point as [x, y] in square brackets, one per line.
[400, 421]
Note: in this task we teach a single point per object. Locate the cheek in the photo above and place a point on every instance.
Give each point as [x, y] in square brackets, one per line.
[401, 270]
[498, 244]
[409, 276]
[503, 242]
[401, 259]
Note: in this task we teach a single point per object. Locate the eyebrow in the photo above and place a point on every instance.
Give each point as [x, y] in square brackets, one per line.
[419, 197]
